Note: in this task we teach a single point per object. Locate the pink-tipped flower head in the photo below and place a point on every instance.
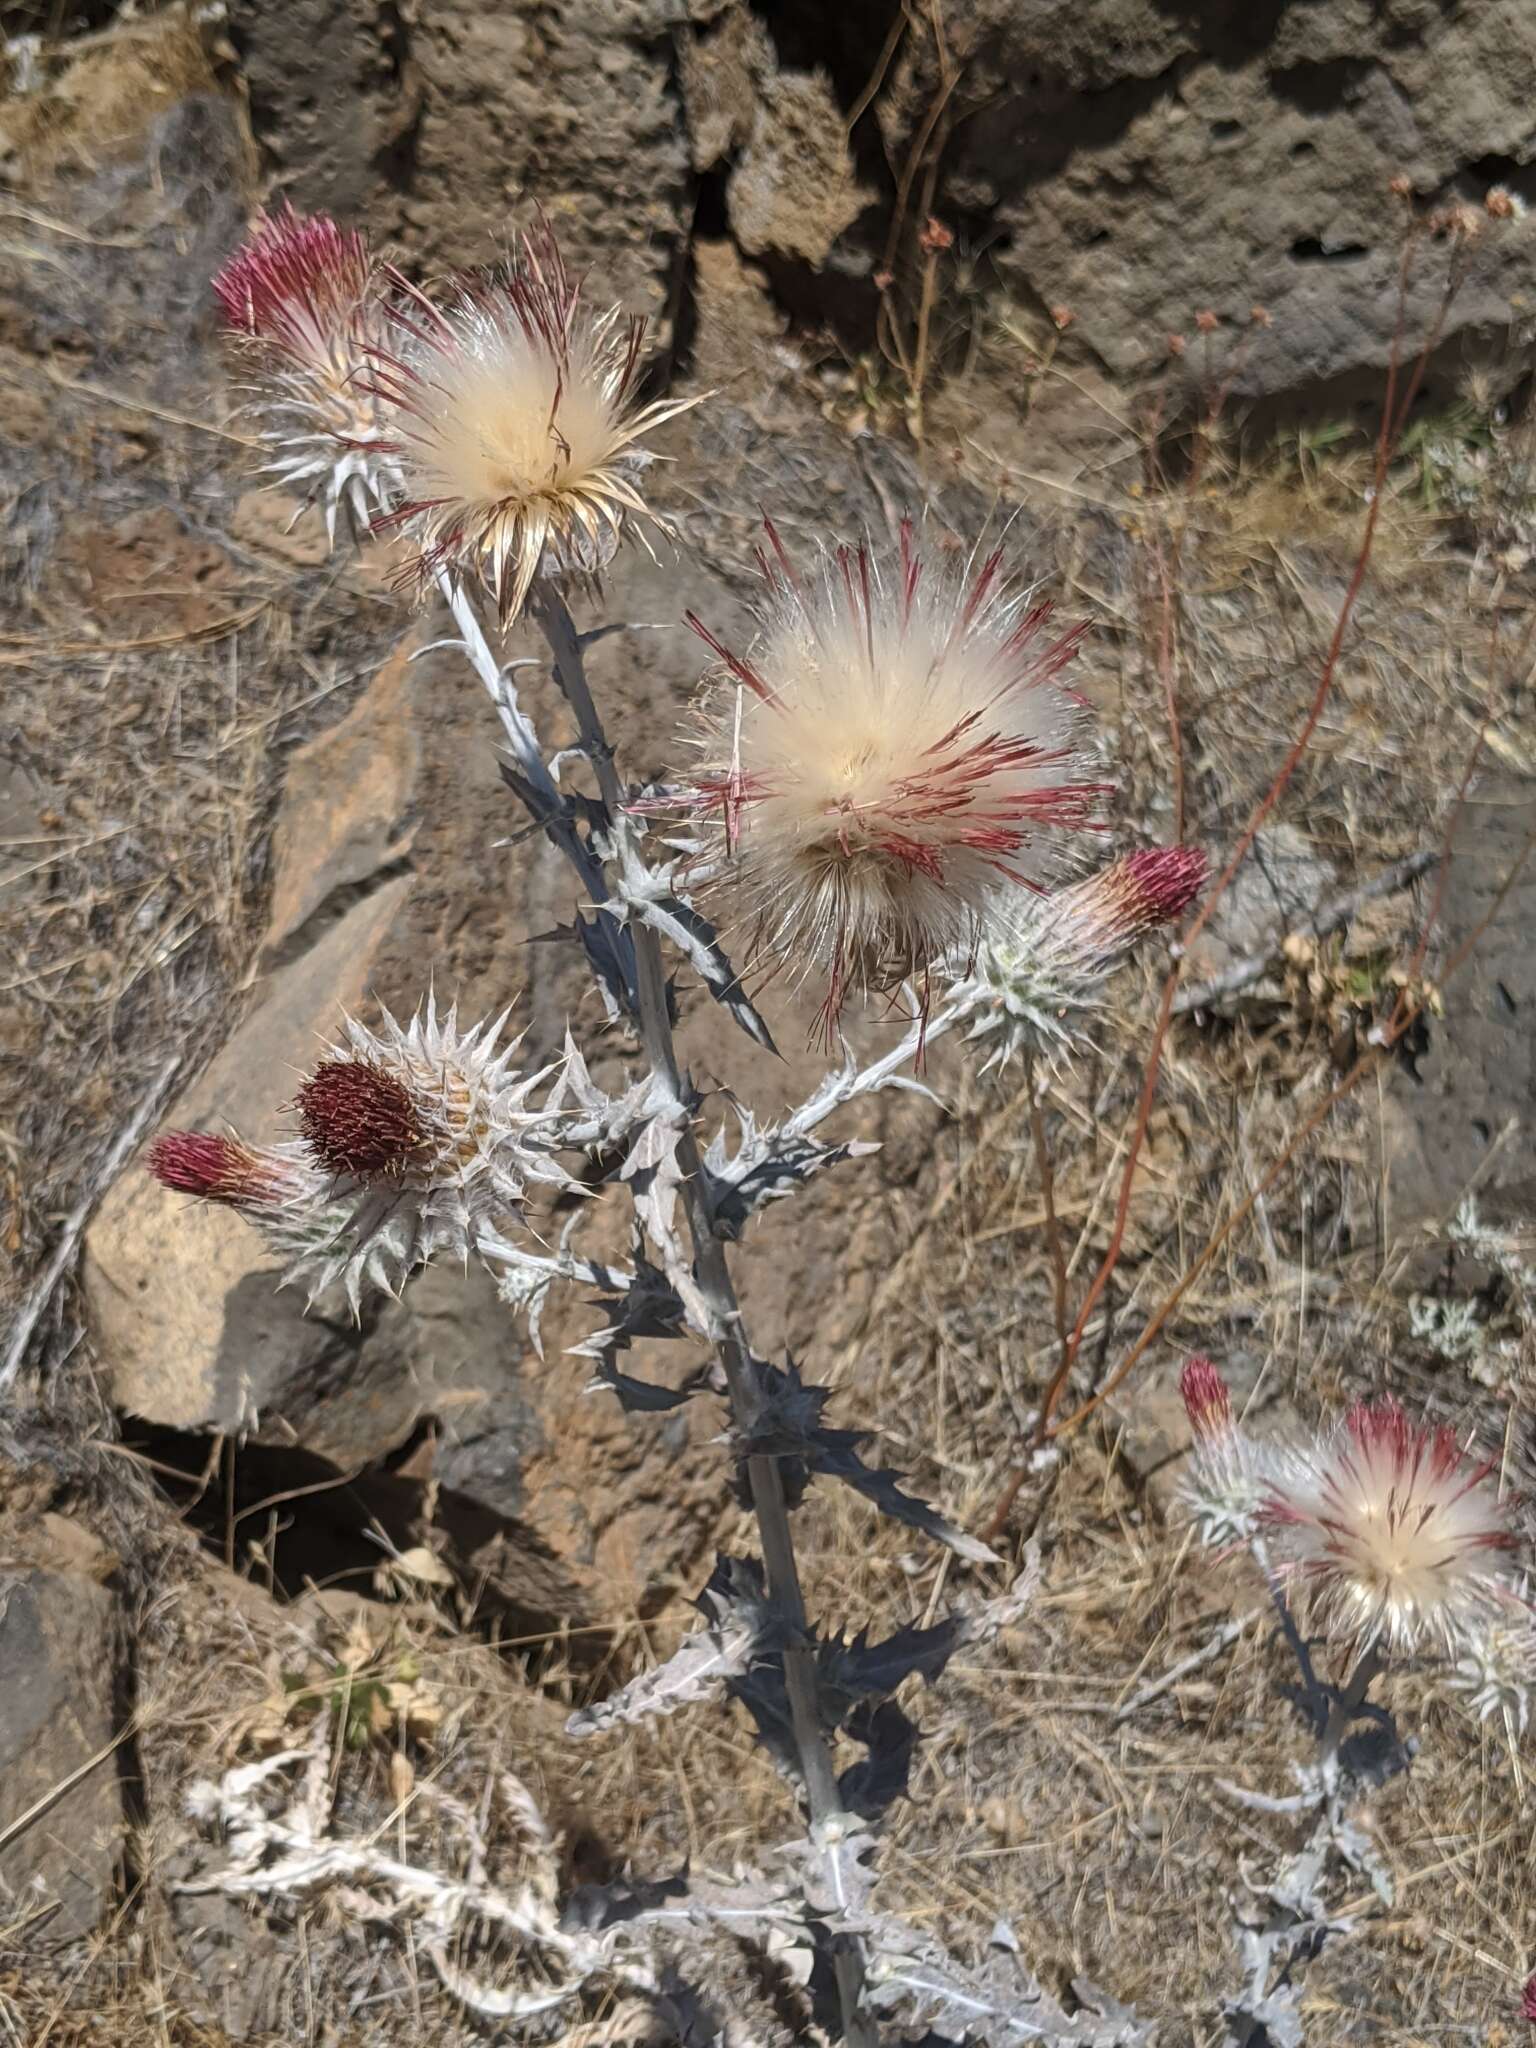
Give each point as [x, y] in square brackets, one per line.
[416, 1140]
[302, 297]
[218, 1168]
[1391, 1530]
[1033, 980]
[516, 427]
[1223, 1487]
[898, 746]
[1528, 2000]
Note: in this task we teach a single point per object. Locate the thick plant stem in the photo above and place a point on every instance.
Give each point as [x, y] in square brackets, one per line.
[1345, 1707]
[712, 1274]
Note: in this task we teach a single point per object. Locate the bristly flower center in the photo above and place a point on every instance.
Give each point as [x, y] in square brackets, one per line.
[357, 1119]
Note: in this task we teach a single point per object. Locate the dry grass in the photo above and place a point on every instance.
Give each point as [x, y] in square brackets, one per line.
[1048, 1791]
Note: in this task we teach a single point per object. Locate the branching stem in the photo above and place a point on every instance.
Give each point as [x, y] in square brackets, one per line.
[712, 1273]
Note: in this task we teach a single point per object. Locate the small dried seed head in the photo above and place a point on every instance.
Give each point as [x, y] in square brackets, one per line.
[1494, 1672]
[1501, 204]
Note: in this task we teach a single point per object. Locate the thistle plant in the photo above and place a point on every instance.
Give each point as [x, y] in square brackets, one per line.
[889, 793]
[1386, 1542]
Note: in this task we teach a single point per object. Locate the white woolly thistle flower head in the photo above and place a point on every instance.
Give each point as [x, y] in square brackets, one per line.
[303, 298]
[1032, 980]
[516, 428]
[1223, 1488]
[1391, 1532]
[897, 746]
[1494, 1673]
[415, 1140]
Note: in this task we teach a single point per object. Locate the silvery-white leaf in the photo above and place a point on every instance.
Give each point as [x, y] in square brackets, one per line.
[996, 2002]
[1272, 2022]
[609, 954]
[768, 1163]
[697, 1670]
[835, 1870]
[697, 940]
[594, 1908]
[596, 1120]
[655, 1179]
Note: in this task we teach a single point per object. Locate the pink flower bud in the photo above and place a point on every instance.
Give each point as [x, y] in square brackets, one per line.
[1207, 1401]
[218, 1169]
[297, 285]
[1165, 881]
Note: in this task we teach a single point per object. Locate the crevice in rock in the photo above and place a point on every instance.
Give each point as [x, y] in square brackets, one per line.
[710, 222]
[1049, 119]
[1324, 86]
[294, 1521]
[395, 157]
[329, 911]
[1310, 250]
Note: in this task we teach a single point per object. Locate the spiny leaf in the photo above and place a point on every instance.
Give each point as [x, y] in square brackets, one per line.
[634, 1395]
[741, 1628]
[787, 1424]
[766, 1165]
[996, 2001]
[696, 939]
[870, 1786]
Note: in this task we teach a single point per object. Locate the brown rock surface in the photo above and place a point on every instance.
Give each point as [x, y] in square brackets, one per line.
[61, 1810]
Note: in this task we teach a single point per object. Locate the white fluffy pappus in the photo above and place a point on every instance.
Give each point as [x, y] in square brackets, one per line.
[516, 429]
[1390, 1531]
[897, 745]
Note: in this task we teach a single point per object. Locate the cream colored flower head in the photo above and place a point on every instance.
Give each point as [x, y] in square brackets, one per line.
[897, 745]
[303, 298]
[1390, 1531]
[516, 428]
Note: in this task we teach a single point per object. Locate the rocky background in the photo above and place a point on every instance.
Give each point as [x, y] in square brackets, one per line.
[234, 802]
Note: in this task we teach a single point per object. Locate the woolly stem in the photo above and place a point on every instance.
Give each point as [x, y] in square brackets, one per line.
[713, 1278]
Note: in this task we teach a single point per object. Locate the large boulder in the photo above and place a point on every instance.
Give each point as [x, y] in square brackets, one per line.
[1138, 164]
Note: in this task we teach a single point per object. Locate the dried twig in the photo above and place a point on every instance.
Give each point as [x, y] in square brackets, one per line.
[1328, 917]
